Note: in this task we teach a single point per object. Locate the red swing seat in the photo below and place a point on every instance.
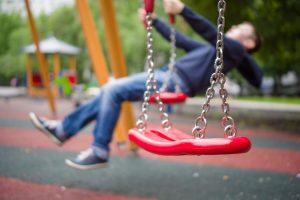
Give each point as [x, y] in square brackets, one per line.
[174, 142]
[170, 97]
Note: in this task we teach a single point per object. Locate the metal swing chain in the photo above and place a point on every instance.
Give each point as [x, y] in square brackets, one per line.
[171, 66]
[151, 86]
[217, 78]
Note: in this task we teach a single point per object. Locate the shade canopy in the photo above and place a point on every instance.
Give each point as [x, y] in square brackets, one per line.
[52, 45]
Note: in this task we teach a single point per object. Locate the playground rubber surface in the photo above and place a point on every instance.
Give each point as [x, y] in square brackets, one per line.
[32, 167]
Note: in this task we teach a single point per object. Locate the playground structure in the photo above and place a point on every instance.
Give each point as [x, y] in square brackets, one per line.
[99, 65]
[50, 47]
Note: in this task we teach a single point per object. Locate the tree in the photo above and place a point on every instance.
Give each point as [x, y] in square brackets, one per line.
[10, 62]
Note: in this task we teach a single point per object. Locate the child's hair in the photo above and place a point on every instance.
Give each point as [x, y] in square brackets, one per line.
[257, 39]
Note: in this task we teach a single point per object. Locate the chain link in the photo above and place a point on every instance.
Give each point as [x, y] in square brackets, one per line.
[171, 66]
[217, 78]
[151, 87]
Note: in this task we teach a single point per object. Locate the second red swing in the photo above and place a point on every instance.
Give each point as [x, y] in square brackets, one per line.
[166, 96]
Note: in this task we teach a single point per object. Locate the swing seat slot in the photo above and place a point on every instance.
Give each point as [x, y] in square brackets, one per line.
[170, 97]
[174, 142]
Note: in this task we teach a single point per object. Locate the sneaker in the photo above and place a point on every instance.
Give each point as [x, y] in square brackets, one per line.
[46, 126]
[87, 160]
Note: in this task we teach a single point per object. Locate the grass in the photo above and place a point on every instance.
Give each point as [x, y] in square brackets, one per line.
[287, 100]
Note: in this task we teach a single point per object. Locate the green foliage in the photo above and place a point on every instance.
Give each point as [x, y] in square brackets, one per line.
[18, 38]
[11, 37]
[8, 24]
[279, 24]
[11, 67]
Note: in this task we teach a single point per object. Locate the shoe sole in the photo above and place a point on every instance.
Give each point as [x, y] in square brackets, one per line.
[40, 127]
[87, 167]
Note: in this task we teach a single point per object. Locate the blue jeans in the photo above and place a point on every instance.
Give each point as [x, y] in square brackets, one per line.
[105, 107]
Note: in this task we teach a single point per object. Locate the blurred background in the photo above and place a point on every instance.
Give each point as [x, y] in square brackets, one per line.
[276, 20]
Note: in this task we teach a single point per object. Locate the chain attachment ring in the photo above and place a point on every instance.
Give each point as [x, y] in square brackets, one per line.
[229, 126]
[198, 131]
[229, 131]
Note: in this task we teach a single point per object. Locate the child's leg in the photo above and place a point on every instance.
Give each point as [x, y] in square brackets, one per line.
[81, 116]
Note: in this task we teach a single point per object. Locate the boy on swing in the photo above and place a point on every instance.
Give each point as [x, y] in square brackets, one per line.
[193, 71]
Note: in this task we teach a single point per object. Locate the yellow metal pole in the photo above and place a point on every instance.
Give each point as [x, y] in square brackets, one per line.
[72, 63]
[41, 58]
[29, 74]
[92, 41]
[115, 52]
[56, 70]
[93, 44]
[117, 61]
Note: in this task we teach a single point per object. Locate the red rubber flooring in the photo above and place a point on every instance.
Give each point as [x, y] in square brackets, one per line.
[274, 152]
[17, 189]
